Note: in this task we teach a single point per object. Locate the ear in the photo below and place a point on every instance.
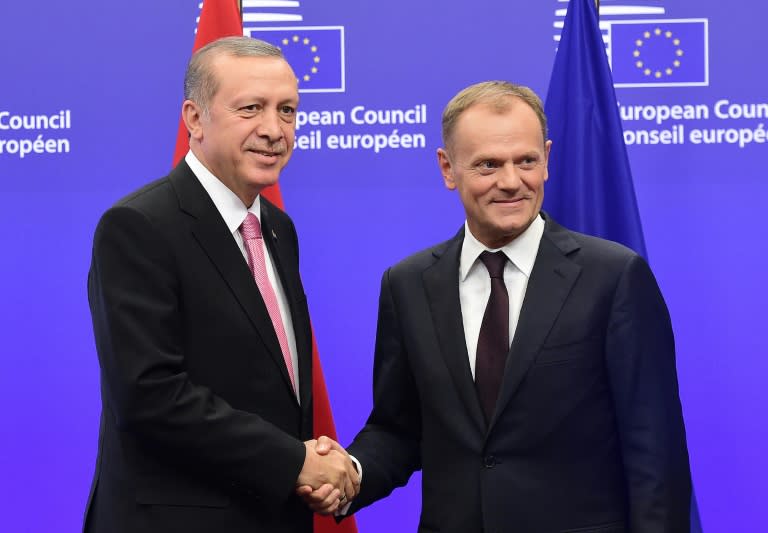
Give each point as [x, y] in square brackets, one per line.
[547, 148]
[444, 161]
[193, 118]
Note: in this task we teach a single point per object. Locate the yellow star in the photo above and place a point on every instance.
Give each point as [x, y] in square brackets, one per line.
[314, 70]
[639, 42]
[285, 41]
[313, 49]
[295, 38]
[669, 71]
[676, 42]
[646, 34]
[676, 63]
[316, 59]
[657, 74]
[657, 31]
[647, 72]
[306, 77]
[306, 40]
[636, 53]
[668, 34]
[678, 52]
[639, 64]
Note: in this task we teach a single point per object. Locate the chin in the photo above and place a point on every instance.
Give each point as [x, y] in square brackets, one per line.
[265, 181]
[511, 232]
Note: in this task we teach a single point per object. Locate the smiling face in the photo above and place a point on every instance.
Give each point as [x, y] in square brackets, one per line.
[497, 160]
[246, 137]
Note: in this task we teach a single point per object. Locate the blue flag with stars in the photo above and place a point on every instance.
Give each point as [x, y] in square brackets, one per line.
[316, 54]
[590, 186]
[659, 53]
[590, 183]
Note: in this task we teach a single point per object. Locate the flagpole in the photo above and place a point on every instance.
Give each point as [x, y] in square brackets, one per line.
[597, 7]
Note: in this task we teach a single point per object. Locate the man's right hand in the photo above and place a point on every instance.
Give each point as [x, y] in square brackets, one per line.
[338, 485]
[333, 472]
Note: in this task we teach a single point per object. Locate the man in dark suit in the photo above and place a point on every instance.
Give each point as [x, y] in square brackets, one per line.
[201, 324]
[527, 370]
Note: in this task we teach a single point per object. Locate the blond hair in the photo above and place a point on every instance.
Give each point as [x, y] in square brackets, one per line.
[493, 93]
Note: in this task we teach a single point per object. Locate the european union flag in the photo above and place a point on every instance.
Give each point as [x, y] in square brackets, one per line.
[590, 187]
[316, 54]
[659, 53]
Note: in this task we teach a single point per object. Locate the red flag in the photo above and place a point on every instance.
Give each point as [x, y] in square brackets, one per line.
[221, 18]
[218, 18]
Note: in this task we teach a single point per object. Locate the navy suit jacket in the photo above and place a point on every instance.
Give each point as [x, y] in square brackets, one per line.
[200, 430]
[588, 432]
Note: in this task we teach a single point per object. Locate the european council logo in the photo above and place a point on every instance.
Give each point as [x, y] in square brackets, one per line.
[316, 54]
[659, 53]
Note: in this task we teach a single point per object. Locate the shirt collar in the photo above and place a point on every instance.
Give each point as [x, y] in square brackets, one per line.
[521, 251]
[229, 205]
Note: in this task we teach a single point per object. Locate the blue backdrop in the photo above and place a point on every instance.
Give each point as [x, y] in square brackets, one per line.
[89, 104]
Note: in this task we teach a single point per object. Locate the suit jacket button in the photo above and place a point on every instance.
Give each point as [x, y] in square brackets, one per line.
[489, 461]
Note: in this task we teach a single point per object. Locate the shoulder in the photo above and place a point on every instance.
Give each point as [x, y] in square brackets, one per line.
[602, 266]
[152, 197]
[589, 251]
[158, 197]
[144, 210]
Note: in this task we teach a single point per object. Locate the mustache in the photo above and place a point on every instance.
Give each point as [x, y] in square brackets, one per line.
[277, 148]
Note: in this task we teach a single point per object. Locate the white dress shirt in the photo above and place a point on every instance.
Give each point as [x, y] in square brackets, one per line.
[475, 283]
[234, 211]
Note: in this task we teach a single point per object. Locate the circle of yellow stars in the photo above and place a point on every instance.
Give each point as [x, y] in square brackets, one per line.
[657, 73]
[295, 39]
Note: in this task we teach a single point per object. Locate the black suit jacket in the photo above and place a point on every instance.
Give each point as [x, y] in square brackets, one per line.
[200, 430]
[588, 433]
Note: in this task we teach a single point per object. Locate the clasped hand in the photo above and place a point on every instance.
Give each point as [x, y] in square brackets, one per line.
[328, 479]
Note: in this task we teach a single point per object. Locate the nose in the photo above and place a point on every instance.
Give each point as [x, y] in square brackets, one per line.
[269, 126]
[508, 178]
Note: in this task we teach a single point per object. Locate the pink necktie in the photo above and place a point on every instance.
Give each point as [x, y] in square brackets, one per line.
[250, 229]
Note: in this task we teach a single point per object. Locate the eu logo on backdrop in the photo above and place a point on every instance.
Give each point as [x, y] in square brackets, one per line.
[316, 54]
[659, 53]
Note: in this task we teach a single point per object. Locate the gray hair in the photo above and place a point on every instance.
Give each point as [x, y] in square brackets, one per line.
[200, 83]
[495, 94]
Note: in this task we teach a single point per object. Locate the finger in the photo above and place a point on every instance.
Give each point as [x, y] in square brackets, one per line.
[313, 497]
[327, 510]
[353, 477]
[335, 504]
[317, 497]
[323, 493]
[304, 490]
[328, 505]
[325, 445]
[349, 489]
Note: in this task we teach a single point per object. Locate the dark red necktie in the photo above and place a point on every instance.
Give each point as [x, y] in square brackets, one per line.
[493, 342]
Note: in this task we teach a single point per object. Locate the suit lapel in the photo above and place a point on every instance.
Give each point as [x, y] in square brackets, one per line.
[441, 282]
[214, 237]
[278, 243]
[552, 278]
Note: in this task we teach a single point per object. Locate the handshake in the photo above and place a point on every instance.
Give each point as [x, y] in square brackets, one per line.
[329, 479]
